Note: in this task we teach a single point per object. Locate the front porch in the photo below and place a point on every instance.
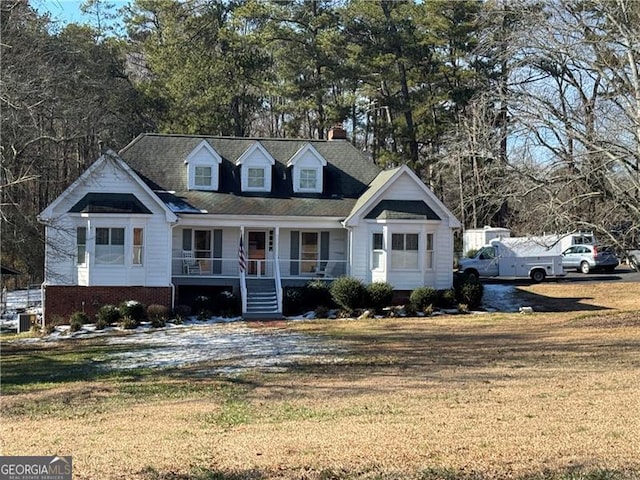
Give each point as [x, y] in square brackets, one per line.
[257, 263]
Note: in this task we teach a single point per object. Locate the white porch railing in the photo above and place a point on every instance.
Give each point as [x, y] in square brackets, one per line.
[258, 268]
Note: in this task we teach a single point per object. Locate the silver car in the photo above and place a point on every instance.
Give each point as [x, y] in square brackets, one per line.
[585, 258]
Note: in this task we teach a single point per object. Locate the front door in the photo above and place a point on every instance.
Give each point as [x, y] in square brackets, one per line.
[256, 261]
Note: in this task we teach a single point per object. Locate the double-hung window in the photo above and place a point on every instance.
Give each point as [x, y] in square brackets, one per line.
[378, 251]
[203, 176]
[255, 177]
[138, 246]
[81, 245]
[109, 246]
[429, 251]
[308, 179]
[404, 251]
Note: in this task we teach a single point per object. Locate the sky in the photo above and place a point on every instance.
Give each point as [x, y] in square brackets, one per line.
[68, 11]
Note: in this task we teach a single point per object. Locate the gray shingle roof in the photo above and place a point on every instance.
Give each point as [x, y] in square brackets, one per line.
[159, 160]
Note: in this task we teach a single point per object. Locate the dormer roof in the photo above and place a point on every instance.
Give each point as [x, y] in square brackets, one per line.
[255, 152]
[202, 147]
[304, 152]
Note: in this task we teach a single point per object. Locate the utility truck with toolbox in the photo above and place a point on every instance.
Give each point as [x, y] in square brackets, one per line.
[513, 258]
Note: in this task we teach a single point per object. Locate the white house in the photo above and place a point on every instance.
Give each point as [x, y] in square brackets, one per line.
[174, 216]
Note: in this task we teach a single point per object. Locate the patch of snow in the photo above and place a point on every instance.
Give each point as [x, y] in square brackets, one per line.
[237, 345]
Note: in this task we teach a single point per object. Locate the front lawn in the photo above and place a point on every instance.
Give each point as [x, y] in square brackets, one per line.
[472, 397]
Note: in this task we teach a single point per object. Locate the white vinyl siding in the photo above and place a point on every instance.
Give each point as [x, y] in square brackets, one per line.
[61, 267]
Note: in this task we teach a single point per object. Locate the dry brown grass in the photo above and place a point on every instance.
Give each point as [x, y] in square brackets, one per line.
[498, 396]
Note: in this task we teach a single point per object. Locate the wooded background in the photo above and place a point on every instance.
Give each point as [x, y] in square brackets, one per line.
[517, 113]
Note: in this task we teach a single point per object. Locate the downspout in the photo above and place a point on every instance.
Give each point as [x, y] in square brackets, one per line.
[276, 260]
[171, 285]
[347, 270]
[242, 279]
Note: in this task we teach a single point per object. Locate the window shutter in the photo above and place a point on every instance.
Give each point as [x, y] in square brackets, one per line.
[217, 252]
[186, 239]
[294, 268]
[324, 249]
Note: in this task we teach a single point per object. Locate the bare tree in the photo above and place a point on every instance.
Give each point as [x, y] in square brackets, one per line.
[573, 117]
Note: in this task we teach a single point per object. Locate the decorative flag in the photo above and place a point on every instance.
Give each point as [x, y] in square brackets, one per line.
[242, 261]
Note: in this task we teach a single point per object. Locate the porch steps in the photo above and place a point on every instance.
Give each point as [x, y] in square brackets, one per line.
[262, 300]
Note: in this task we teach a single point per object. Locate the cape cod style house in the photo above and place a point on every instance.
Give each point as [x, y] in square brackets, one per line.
[172, 217]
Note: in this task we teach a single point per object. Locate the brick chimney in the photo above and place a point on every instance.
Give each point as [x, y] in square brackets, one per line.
[337, 133]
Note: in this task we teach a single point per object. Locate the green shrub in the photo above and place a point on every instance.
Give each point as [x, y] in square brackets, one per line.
[158, 314]
[422, 297]
[447, 298]
[101, 324]
[202, 303]
[316, 293]
[293, 301]
[107, 314]
[79, 317]
[128, 323]
[134, 310]
[76, 321]
[226, 304]
[180, 313]
[348, 293]
[410, 310]
[470, 294]
[379, 295]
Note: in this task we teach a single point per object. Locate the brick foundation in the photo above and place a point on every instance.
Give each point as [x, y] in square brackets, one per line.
[62, 301]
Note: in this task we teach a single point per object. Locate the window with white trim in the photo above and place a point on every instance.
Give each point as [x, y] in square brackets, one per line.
[138, 246]
[109, 246]
[203, 167]
[255, 177]
[81, 245]
[203, 176]
[377, 251]
[309, 251]
[308, 179]
[404, 251]
[428, 254]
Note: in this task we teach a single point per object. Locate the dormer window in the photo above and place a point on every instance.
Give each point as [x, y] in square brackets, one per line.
[256, 165]
[255, 177]
[307, 165]
[308, 179]
[203, 176]
[203, 167]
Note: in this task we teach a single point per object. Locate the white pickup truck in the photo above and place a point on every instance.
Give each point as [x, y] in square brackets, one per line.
[498, 260]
